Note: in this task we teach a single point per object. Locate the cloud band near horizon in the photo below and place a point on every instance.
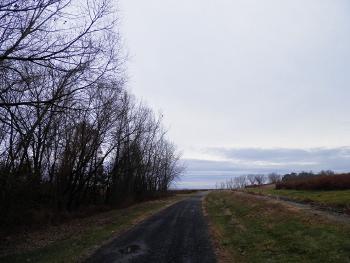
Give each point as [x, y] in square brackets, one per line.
[230, 162]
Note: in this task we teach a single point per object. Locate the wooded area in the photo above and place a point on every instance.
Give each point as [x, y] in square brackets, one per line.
[70, 132]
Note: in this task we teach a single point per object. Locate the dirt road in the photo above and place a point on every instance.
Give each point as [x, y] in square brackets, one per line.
[177, 234]
[314, 209]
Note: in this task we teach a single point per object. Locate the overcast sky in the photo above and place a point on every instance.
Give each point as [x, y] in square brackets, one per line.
[245, 85]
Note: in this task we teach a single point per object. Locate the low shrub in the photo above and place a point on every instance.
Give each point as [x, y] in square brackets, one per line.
[321, 182]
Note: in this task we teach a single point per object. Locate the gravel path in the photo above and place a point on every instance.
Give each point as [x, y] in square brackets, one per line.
[179, 233]
[308, 208]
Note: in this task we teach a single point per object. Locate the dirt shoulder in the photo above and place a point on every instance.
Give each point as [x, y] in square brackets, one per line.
[332, 200]
[311, 208]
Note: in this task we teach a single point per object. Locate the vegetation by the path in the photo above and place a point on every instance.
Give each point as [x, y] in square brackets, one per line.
[338, 199]
[77, 239]
[309, 181]
[72, 135]
[256, 230]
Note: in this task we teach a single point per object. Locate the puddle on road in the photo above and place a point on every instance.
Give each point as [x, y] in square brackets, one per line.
[132, 249]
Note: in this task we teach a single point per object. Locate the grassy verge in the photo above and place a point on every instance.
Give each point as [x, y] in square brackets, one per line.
[256, 230]
[87, 234]
[339, 198]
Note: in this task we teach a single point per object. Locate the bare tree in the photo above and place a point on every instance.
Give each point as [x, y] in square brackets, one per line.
[251, 179]
[74, 39]
[274, 178]
[230, 184]
[240, 181]
[259, 179]
[69, 129]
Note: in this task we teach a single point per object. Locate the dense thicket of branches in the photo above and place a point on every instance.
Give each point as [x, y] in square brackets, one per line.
[325, 180]
[70, 134]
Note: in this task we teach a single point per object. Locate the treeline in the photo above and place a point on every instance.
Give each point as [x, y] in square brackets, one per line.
[324, 180]
[70, 133]
[250, 180]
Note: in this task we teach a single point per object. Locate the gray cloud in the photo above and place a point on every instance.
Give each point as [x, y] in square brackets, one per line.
[282, 155]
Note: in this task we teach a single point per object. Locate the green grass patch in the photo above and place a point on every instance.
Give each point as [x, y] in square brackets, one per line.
[255, 230]
[78, 245]
[338, 198]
